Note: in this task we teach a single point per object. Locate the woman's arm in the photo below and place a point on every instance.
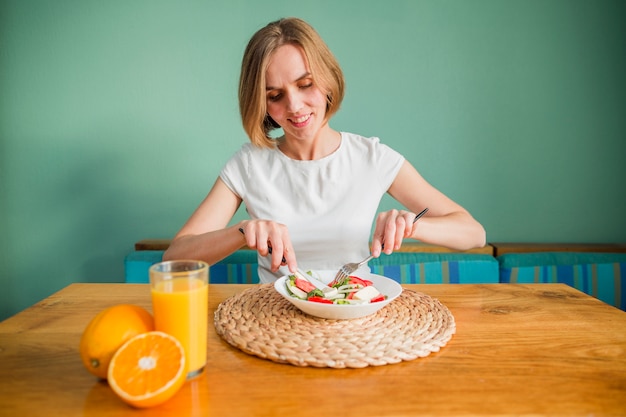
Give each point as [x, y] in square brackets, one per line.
[446, 223]
[205, 235]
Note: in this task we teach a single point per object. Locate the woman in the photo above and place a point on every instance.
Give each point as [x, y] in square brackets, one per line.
[313, 192]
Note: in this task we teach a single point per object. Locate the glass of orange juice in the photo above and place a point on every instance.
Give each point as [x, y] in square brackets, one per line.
[180, 293]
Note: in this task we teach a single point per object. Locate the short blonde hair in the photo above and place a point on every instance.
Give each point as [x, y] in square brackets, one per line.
[325, 69]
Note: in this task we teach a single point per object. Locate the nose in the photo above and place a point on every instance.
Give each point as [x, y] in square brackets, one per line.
[294, 102]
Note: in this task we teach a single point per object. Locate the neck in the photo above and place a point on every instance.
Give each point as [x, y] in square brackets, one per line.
[326, 142]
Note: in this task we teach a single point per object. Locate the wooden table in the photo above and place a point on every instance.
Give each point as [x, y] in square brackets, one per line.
[540, 349]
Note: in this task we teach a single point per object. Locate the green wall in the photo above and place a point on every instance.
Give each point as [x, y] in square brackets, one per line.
[116, 117]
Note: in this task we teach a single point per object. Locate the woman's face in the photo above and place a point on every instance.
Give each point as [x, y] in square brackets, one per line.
[294, 101]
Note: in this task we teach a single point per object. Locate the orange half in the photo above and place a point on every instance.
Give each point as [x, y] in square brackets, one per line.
[148, 369]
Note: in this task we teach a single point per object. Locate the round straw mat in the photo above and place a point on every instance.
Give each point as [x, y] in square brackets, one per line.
[260, 322]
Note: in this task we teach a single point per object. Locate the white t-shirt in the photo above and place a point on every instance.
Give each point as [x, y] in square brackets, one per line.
[329, 205]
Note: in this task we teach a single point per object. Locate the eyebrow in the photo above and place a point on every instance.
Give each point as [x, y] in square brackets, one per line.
[305, 75]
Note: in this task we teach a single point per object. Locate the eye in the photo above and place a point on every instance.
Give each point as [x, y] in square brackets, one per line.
[274, 96]
[306, 84]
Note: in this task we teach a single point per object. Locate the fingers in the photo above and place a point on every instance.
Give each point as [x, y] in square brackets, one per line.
[270, 238]
[392, 227]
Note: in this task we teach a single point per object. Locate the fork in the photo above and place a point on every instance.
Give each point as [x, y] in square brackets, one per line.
[349, 268]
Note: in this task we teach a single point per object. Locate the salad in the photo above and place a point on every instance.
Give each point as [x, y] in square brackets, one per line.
[350, 290]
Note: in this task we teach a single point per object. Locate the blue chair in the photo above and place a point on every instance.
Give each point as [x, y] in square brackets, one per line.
[405, 267]
[238, 268]
[437, 268]
[601, 275]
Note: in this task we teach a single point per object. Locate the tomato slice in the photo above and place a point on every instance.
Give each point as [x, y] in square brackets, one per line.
[318, 299]
[335, 283]
[379, 297]
[304, 285]
[359, 281]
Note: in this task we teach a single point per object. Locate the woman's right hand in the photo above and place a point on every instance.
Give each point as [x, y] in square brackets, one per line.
[265, 234]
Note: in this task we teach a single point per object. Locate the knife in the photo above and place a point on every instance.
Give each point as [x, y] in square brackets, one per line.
[318, 284]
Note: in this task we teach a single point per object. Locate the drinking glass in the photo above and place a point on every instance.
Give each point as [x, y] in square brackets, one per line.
[180, 293]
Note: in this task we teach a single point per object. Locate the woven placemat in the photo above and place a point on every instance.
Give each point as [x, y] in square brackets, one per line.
[260, 322]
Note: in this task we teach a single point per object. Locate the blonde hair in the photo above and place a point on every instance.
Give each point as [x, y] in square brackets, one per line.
[325, 70]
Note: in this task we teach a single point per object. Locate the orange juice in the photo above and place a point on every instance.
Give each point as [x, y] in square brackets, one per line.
[180, 307]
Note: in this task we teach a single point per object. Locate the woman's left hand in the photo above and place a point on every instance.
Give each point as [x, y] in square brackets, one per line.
[392, 227]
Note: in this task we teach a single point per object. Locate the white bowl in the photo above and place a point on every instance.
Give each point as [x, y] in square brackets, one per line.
[386, 286]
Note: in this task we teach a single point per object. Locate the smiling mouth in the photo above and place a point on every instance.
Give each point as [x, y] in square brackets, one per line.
[300, 121]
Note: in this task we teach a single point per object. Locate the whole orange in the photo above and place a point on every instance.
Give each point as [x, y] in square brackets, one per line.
[109, 330]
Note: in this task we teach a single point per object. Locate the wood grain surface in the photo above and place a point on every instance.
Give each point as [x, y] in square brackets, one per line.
[537, 349]
[163, 244]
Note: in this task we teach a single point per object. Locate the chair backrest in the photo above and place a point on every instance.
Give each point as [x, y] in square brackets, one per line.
[405, 267]
[601, 275]
[437, 268]
[239, 268]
